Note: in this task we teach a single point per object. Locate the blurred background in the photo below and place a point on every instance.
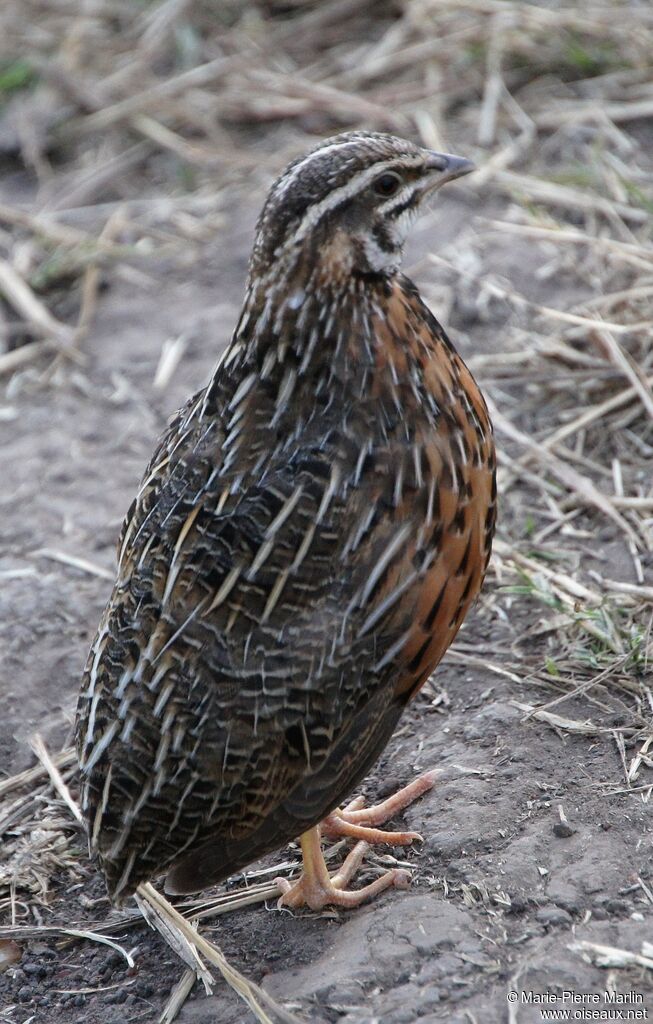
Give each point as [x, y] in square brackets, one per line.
[137, 142]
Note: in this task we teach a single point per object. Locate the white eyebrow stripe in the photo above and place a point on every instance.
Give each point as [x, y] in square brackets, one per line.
[289, 176]
[355, 184]
[400, 197]
[299, 167]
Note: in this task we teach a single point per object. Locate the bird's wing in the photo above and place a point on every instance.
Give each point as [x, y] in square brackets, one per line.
[257, 614]
[229, 658]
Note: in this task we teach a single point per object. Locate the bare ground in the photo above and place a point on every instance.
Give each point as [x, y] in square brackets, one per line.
[503, 894]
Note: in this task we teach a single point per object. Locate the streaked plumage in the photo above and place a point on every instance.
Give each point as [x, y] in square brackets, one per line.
[307, 539]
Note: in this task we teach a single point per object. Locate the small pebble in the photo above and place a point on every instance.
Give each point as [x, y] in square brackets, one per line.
[553, 916]
[37, 970]
[430, 996]
[562, 829]
[617, 906]
[405, 1015]
[118, 996]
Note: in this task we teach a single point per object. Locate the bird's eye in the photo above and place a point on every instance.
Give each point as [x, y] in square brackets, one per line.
[387, 184]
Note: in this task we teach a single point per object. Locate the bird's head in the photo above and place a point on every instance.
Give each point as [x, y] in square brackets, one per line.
[347, 205]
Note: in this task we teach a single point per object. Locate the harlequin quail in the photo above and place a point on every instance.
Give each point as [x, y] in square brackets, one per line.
[307, 539]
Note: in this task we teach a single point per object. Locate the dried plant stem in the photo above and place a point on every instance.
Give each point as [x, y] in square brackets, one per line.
[22, 298]
[632, 373]
[39, 748]
[259, 1002]
[580, 485]
[566, 197]
[178, 996]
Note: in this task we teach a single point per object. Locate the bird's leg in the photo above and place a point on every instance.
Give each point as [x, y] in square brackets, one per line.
[315, 888]
[360, 822]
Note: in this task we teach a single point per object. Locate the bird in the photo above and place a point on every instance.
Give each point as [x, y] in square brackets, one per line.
[308, 536]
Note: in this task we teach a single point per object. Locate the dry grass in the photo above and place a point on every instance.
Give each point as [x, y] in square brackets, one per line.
[137, 119]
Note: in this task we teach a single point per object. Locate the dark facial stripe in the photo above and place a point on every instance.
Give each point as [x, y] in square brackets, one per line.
[383, 238]
[407, 204]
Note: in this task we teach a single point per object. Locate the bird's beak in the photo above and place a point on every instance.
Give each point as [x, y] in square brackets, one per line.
[443, 167]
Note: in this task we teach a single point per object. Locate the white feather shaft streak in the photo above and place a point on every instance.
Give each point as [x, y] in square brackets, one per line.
[225, 589]
[287, 510]
[268, 542]
[387, 603]
[275, 594]
[175, 566]
[331, 489]
[386, 557]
